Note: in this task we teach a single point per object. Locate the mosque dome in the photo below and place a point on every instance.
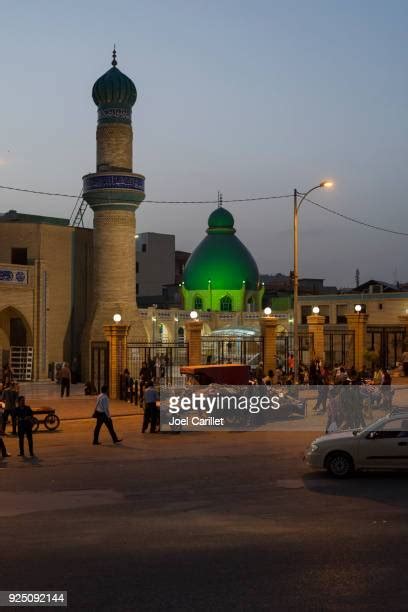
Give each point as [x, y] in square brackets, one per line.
[114, 88]
[221, 258]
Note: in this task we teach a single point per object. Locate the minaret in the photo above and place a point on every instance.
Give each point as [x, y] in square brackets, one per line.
[114, 193]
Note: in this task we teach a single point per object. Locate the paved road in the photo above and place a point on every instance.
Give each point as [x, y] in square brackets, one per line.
[199, 522]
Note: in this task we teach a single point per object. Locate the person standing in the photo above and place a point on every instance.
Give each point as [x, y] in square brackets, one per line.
[7, 375]
[150, 408]
[65, 379]
[103, 417]
[24, 426]
[3, 449]
[291, 363]
[10, 399]
[259, 373]
[405, 362]
[386, 391]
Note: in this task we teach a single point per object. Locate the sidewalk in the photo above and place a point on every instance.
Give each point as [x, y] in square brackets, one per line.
[77, 406]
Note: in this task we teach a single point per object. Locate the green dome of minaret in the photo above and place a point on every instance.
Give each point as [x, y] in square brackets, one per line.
[114, 88]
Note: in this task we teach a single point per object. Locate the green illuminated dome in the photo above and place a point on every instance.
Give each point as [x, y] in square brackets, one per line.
[221, 258]
[114, 88]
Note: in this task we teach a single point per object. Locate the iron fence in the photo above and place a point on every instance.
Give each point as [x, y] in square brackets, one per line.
[386, 344]
[230, 349]
[163, 360]
[285, 347]
[339, 347]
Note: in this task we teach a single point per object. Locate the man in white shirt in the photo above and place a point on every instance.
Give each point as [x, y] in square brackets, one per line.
[103, 417]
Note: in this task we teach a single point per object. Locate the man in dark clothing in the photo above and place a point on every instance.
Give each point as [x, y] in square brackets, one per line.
[3, 449]
[24, 424]
[10, 400]
[150, 410]
[65, 380]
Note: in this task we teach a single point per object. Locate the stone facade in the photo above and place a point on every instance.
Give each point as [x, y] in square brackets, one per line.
[114, 147]
[53, 303]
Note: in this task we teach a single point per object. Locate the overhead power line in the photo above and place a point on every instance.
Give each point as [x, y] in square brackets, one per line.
[255, 199]
[68, 195]
[358, 221]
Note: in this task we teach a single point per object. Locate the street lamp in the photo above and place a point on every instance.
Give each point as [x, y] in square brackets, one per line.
[117, 317]
[358, 308]
[193, 315]
[267, 311]
[315, 310]
[296, 205]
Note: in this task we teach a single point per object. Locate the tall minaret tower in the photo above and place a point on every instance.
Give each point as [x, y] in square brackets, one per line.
[114, 193]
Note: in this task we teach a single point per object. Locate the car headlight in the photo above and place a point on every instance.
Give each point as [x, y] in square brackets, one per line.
[314, 447]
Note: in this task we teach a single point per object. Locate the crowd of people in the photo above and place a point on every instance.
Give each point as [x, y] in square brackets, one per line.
[319, 374]
[343, 393]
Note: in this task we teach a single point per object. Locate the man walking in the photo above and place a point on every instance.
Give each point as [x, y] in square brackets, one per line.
[10, 400]
[65, 380]
[25, 426]
[103, 417]
[150, 410]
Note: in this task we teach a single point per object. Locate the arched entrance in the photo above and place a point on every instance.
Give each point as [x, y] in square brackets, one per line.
[16, 343]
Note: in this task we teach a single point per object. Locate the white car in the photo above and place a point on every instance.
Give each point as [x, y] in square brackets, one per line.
[383, 445]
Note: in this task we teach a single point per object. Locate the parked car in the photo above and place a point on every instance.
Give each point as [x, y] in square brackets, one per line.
[383, 445]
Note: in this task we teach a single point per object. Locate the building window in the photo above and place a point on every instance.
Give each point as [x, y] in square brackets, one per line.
[137, 267]
[341, 317]
[137, 288]
[380, 306]
[198, 303]
[226, 304]
[144, 248]
[19, 256]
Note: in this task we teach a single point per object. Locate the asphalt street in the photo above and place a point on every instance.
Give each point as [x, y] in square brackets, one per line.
[199, 521]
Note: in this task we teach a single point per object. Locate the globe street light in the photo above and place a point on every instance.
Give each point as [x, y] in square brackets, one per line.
[315, 310]
[267, 311]
[193, 315]
[358, 308]
[296, 205]
[117, 317]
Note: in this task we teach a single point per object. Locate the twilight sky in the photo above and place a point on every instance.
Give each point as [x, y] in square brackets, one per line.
[252, 98]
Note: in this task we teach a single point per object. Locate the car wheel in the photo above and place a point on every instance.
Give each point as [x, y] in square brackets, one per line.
[340, 465]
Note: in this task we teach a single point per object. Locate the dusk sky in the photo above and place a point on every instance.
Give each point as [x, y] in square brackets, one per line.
[250, 98]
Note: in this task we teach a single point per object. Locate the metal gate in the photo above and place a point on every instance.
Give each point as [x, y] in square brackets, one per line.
[99, 364]
[231, 349]
[338, 347]
[163, 360]
[388, 343]
[284, 348]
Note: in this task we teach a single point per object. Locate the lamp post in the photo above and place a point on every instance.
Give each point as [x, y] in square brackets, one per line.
[296, 205]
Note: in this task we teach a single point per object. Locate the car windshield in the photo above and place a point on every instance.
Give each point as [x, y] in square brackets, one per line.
[375, 425]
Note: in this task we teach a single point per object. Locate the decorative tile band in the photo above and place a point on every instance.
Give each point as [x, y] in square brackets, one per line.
[17, 277]
[113, 181]
[115, 114]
